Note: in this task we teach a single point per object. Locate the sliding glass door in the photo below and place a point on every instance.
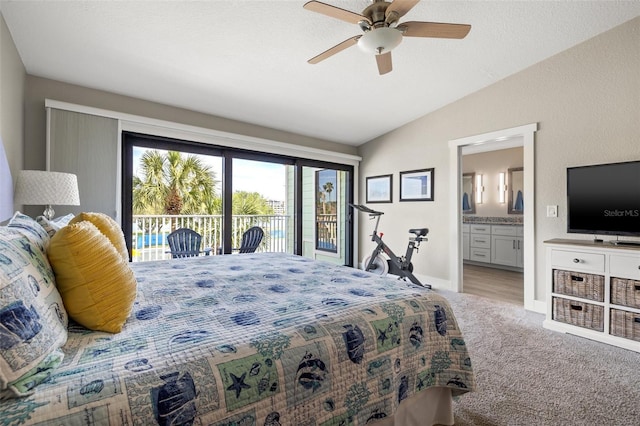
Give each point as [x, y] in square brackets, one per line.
[169, 187]
[301, 205]
[259, 198]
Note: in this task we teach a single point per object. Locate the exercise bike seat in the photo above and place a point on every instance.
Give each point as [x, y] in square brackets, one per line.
[420, 232]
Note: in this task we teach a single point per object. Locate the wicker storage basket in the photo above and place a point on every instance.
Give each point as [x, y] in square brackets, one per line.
[625, 292]
[587, 286]
[625, 324]
[577, 313]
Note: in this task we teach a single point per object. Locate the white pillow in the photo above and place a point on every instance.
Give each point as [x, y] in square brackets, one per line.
[31, 229]
[54, 225]
[33, 321]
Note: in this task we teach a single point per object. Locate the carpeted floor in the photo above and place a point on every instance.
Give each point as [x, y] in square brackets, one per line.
[527, 375]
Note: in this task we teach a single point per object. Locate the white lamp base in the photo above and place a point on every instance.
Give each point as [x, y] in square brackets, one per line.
[48, 212]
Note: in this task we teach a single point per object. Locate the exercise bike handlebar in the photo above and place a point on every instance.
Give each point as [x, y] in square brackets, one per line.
[366, 209]
[419, 233]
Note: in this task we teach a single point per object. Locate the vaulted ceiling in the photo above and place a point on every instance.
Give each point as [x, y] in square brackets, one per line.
[247, 60]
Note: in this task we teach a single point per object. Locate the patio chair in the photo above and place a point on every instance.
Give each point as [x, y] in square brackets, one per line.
[251, 240]
[185, 242]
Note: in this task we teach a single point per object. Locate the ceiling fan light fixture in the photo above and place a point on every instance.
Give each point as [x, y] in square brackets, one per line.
[380, 40]
[364, 25]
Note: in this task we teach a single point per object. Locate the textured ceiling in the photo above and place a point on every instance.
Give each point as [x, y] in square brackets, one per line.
[246, 60]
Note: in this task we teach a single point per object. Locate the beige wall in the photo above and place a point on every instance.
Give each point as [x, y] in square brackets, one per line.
[12, 80]
[489, 165]
[38, 89]
[587, 103]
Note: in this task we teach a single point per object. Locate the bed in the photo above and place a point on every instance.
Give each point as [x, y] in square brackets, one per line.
[260, 339]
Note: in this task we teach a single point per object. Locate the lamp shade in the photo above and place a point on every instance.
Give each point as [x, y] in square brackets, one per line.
[6, 186]
[37, 187]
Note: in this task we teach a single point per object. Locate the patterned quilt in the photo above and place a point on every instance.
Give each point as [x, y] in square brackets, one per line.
[255, 339]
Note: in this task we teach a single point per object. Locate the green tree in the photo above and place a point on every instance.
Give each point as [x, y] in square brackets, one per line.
[243, 203]
[172, 184]
[321, 201]
[328, 188]
[250, 203]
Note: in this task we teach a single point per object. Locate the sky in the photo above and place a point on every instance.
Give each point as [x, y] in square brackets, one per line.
[268, 179]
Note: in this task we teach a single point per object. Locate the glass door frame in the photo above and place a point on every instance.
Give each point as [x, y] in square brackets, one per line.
[346, 212]
[228, 156]
[131, 139]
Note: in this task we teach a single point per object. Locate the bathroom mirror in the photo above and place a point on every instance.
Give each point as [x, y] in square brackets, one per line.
[468, 200]
[515, 189]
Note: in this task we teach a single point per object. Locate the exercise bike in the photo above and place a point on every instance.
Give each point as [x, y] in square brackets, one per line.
[396, 265]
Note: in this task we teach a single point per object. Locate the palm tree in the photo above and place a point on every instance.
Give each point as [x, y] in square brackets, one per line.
[322, 197]
[172, 184]
[328, 188]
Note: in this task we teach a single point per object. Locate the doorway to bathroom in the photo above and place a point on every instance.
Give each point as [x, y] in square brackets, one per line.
[501, 139]
[492, 222]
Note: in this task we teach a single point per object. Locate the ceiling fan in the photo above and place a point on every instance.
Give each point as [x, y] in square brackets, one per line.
[382, 32]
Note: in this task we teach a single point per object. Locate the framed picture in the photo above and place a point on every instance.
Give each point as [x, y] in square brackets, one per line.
[379, 189]
[416, 185]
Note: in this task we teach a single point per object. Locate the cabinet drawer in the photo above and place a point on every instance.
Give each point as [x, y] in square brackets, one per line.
[625, 292]
[579, 260]
[625, 266]
[480, 241]
[625, 324]
[480, 255]
[481, 229]
[579, 314]
[503, 230]
[578, 284]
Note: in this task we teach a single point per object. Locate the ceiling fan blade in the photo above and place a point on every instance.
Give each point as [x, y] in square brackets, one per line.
[384, 63]
[401, 7]
[434, 29]
[335, 49]
[335, 12]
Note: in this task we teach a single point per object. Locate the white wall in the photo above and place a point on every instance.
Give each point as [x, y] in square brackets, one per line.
[587, 103]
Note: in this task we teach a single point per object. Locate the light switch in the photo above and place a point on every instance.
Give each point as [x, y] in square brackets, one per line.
[552, 211]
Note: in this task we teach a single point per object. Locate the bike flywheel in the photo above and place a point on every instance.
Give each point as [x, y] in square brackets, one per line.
[380, 265]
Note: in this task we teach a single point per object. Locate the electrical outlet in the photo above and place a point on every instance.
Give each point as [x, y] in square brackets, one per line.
[552, 211]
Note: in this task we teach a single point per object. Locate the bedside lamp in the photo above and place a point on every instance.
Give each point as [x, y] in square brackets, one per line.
[37, 187]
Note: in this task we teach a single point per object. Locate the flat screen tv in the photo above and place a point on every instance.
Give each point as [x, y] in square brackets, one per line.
[604, 199]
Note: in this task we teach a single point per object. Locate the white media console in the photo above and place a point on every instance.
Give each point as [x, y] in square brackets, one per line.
[593, 290]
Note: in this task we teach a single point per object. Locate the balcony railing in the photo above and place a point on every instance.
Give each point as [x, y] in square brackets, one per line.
[327, 232]
[149, 239]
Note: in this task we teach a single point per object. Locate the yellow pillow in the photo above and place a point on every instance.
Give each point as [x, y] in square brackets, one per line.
[108, 227]
[97, 285]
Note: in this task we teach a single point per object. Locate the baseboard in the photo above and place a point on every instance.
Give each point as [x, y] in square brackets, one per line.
[436, 283]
